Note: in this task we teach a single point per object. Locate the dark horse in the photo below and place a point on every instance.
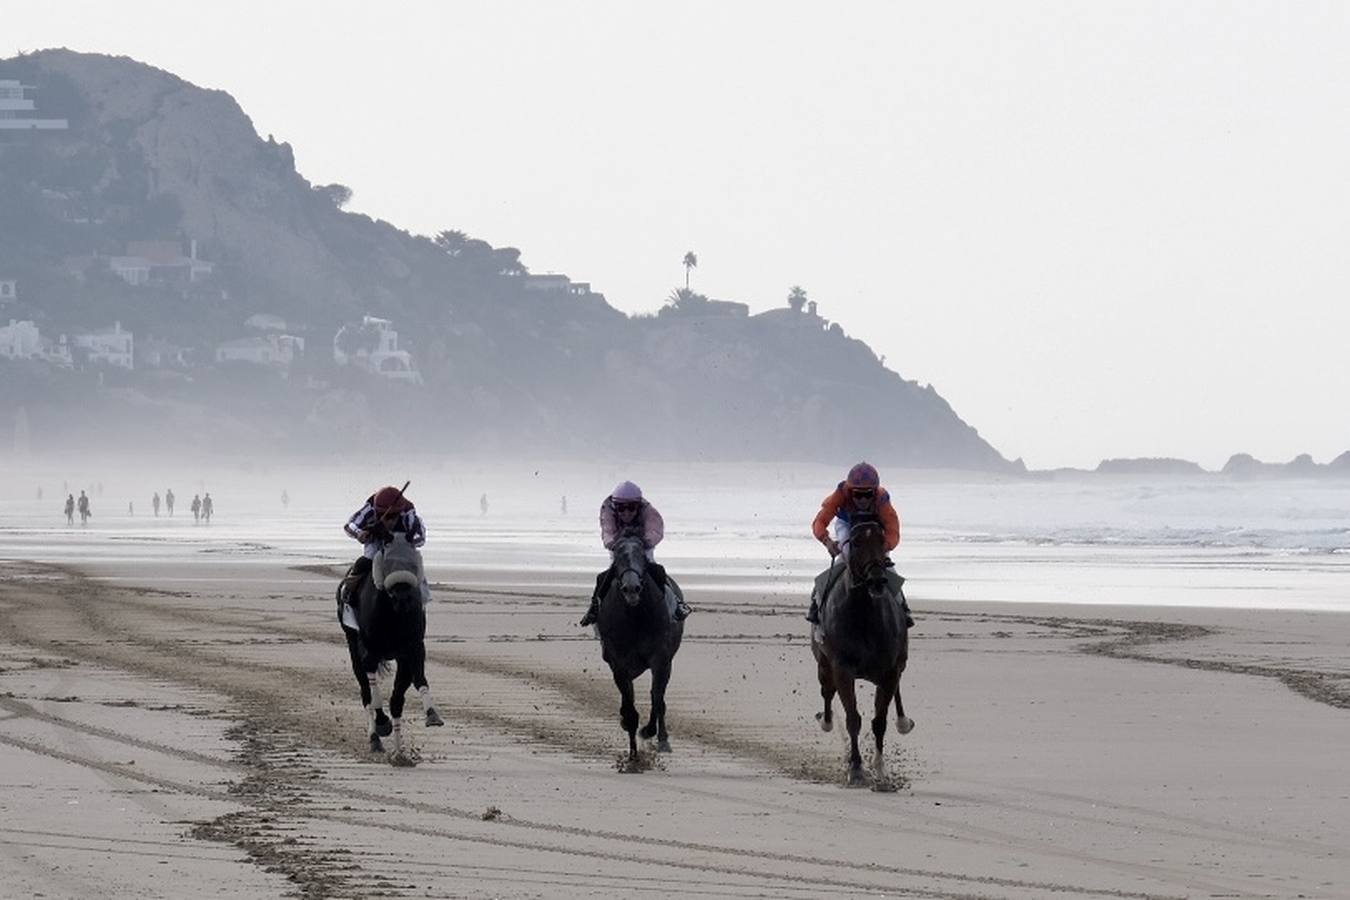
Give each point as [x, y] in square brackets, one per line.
[391, 625]
[637, 633]
[863, 633]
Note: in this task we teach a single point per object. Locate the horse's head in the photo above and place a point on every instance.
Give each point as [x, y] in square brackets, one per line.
[630, 566]
[397, 572]
[867, 556]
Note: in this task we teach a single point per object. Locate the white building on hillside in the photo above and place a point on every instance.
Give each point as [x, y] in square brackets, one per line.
[9, 291]
[160, 262]
[20, 340]
[278, 350]
[373, 346]
[111, 347]
[17, 112]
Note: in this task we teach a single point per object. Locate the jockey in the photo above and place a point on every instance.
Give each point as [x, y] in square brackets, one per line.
[860, 495]
[385, 513]
[622, 511]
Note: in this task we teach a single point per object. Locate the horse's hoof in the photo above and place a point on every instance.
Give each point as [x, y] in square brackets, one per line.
[434, 719]
[647, 732]
[884, 785]
[402, 760]
[375, 745]
[825, 724]
[663, 746]
[904, 724]
[855, 778]
[384, 726]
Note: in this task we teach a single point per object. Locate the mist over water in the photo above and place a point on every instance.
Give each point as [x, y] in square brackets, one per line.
[729, 527]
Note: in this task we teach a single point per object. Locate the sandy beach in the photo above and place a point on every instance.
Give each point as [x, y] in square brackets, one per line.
[195, 731]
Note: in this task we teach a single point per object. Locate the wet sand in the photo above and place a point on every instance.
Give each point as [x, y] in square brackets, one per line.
[197, 732]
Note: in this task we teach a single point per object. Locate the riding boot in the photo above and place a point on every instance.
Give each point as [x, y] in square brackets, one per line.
[813, 614]
[351, 582]
[601, 588]
[682, 609]
[592, 613]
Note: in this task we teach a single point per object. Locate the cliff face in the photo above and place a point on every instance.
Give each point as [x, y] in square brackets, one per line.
[150, 156]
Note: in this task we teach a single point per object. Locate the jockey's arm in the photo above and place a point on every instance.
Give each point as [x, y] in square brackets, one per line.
[417, 532]
[890, 523]
[357, 526]
[653, 527]
[829, 508]
[609, 526]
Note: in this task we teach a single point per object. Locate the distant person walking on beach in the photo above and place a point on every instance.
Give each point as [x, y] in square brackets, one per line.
[131, 509]
[83, 506]
[625, 511]
[482, 504]
[285, 499]
[563, 506]
[70, 509]
[39, 492]
[196, 509]
[154, 501]
[168, 500]
[207, 507]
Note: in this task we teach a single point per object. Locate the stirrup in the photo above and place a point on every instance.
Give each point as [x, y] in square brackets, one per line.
[682, 611]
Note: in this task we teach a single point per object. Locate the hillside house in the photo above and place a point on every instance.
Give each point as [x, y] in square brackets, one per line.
[9, 291]
[18, 112]
[373, 345]
[161, 262]
[110, 347]
[275, 350]
[20, 340]
[548, 283]
[156, 353]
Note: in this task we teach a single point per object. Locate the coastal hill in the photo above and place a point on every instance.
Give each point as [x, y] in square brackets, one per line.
[159, 209]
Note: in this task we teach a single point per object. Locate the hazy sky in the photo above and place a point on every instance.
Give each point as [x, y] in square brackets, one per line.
[1098, 229]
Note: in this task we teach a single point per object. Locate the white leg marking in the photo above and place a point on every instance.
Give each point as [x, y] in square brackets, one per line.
[375, 699]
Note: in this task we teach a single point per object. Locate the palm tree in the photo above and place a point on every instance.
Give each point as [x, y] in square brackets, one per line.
[796, 298]
[690, 262]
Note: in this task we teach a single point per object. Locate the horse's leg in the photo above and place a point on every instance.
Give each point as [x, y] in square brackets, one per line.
[656, 725]
[402, 679]
[843, 682]
[826, 676]
[628, 714]
[359, 670]
[903, 723]
[424, 691]
[886, 689]
[380, 724]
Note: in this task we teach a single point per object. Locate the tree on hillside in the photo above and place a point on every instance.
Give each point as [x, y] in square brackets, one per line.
[685, 301]
[452, 242]
[690, 262]
[508, 261]
[339, 194]
[796, 298]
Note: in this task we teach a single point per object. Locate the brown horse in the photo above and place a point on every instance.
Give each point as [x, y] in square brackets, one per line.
[863, 633]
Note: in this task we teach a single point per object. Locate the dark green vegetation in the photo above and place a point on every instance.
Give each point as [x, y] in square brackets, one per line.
[506, 368]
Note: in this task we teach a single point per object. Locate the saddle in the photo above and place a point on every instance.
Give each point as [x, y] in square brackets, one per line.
[826, 581]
